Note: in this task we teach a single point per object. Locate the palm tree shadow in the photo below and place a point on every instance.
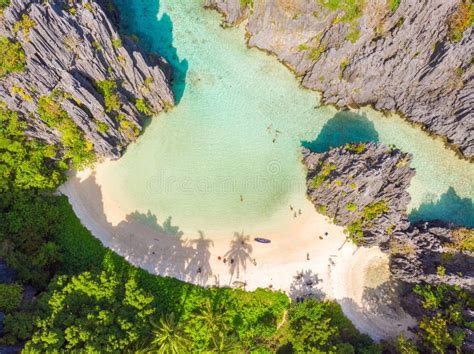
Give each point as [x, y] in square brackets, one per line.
[156, 35]
[239, 254]
[151, 220]
[144, 242]
[198, 268]
[305, 285]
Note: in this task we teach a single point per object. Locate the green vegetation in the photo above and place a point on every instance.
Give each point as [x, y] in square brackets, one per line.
[246, 3]
[20, 91]
[460, 20]
[462, 240]
[97, 46]
[355, 148]
[316, 52]
[101, 303]
[351, 207]
[77, 147]
[10, 297]
[320, 177]
[25, 163]
[322, 326]
[25, 24]
[355, 232]
[342, 68]
[142, 106]
[354, 33]
[102, 127]
[440, 331]
[108, 90]
[29, 226]
[12, 58]
[350, 12]
[393, 5]
[374, 210]
[3, 5]
[117, 43]
[352, 9]
[92, 300]
[302, 47]
[370, 212]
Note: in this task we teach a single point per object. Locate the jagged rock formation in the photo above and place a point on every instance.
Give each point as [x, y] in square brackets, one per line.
[363, 187]
[399, 59]
[428, 252]
[70, 46]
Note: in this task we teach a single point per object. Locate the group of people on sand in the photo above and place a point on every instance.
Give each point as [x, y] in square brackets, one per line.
[295, 213]
[232, 260]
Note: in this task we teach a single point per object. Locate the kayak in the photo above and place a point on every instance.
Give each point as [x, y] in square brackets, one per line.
[262, 240]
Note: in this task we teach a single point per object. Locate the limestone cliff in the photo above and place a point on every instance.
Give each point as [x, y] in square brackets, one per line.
[363, 187]
[73, 52]
[411, 56]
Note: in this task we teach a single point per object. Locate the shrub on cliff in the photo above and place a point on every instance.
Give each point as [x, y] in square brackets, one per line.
[25, 163]
[108, 89]
[460, 20]
[12, 58]
[77, 147]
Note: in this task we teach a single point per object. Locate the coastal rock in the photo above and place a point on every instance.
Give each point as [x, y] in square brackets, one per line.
[427, 252]
[397, 59]
[362, 187]
[69, 47]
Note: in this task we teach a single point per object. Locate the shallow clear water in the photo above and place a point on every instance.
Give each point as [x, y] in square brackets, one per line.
[228, 155]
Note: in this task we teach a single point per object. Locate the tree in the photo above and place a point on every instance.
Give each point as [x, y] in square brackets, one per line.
[168, 336]
[27, 235]
[310, 327]
[435, 333]
[105, 312]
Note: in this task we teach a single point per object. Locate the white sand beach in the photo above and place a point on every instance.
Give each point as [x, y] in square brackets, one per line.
[300, 260]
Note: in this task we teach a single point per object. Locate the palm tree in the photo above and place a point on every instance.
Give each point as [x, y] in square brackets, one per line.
[213, 314]
[225, 343]
[168, 336]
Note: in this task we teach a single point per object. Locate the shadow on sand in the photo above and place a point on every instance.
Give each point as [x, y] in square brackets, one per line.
[345, 127]
[155, 34]
[162, 248]
[380, 307]
[305, 285]
[238, 254]
[142, 240]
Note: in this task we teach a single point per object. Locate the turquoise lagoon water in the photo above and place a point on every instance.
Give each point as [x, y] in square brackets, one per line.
[228, 155]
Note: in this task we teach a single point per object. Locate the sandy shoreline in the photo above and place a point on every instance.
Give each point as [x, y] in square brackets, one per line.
[335, 269]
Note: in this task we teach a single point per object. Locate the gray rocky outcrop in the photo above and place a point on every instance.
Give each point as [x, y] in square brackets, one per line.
[426, 253]
[396, 60]
[363, 185]
[71, 46]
